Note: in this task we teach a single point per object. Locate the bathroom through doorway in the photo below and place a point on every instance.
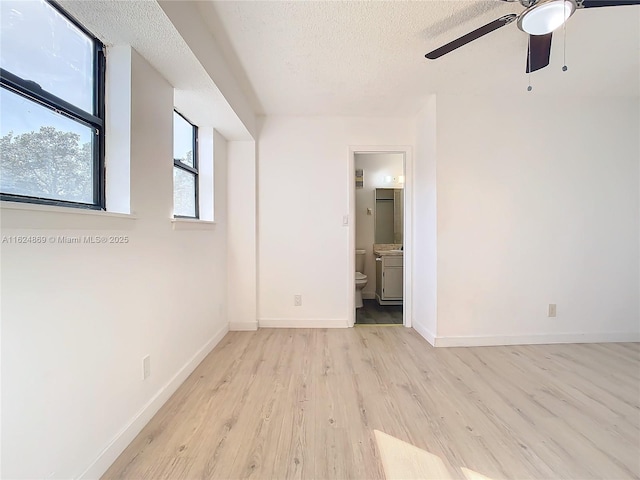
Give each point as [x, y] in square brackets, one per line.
[380, 235]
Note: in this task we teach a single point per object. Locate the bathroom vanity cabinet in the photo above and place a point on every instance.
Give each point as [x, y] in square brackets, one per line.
[389, 279]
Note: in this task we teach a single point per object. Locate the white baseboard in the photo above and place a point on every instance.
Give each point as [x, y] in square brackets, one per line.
[424, 333]
[303, 323]
[369, 295]
[485, 341]
[100, 465]
[243, 326]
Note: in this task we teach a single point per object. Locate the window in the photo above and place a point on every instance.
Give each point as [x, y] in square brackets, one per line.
[185, 167]
[52, 107]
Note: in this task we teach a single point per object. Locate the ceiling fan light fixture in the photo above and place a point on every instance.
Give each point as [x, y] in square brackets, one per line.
[546, 16]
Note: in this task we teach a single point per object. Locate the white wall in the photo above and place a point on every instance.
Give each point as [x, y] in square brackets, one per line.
[425, 223]
[304, 184]
[242, 236]
[537, 203]
[376, 167]
[78, 319]
[118, 124]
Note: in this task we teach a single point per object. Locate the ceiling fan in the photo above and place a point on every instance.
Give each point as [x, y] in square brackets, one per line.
[539, 19]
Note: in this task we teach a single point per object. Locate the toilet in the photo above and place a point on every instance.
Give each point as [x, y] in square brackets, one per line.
[361, 278]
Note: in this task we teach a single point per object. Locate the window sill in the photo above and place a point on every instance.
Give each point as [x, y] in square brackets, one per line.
[192, 224]
[33, 216]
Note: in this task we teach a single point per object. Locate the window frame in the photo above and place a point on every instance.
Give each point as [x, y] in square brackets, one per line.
[177, 163]
[31, 91]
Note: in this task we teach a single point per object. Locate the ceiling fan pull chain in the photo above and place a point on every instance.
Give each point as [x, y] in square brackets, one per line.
[564, 46]
[529, 88]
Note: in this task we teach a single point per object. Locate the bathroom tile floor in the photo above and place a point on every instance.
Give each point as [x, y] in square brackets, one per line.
[372, 313]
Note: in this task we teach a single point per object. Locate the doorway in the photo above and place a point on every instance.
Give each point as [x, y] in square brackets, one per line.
[380, 235]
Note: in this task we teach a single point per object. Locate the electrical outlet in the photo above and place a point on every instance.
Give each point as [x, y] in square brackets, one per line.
[552, 309]
[146, 367]
[297, 300]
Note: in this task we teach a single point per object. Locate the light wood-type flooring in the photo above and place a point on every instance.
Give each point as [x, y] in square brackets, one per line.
[370, 402]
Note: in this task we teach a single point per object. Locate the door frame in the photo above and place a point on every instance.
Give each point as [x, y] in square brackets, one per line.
[407, 151]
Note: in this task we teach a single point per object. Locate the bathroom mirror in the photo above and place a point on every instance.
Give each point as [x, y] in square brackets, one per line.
[389, 215]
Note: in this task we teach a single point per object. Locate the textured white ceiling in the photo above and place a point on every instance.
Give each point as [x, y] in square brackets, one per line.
[367, 58]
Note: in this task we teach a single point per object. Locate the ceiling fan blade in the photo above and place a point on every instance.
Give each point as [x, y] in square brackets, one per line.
[606, 3]
[471, 36]
[539, 52]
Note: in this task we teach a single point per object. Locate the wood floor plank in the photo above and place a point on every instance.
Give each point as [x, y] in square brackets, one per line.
[380, 402]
